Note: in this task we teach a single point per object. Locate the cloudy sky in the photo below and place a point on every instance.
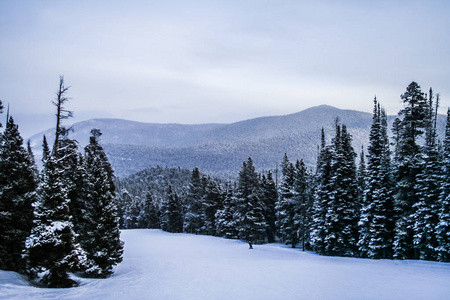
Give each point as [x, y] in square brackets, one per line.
[217, 61]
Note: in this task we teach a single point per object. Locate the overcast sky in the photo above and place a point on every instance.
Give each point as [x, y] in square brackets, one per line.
[217, 61]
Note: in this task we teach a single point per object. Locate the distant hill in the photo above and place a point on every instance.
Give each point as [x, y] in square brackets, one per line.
[220, 149]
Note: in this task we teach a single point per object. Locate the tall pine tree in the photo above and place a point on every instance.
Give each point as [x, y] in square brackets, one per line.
[100, 236]
[17, 193]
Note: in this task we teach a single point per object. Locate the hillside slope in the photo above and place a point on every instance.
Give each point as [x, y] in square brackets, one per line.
[220, 148]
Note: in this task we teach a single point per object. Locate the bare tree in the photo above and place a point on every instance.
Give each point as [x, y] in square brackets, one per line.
[61, 113]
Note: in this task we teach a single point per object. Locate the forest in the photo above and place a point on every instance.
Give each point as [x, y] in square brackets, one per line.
[392, 202]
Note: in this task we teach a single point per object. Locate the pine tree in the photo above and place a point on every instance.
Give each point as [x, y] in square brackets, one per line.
[377, 220]
[172, 214]
[269, 196]
[100, 233]
[303, 202]
[212, 201]
[324, 187]
[407, 166]
[225, 221]
[18, 183]
[148, 216]
[249, 213]
[428, 187]
[443, 227]
[52, 248]
[343, 208]
[193, 221]
[45, 151]
[286, 207]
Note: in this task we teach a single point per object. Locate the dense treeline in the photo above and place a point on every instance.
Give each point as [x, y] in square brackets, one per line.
[394, 206]
[62, 219]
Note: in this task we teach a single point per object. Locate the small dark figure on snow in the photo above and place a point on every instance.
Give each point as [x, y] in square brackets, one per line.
[250, 245]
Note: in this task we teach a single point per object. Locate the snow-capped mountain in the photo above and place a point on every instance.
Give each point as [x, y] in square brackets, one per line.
[220, 148]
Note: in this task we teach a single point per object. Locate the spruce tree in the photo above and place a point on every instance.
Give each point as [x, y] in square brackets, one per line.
[148, 215]
[100, 232]
[171, 212]
[377, 219]
[443, 227]
[303, 202]
[269, 197]
[428, 187]
[408, 164]
[324, 187]
[212, 202]
[18, 183]
[249, 214]
[286, 206]
[225, 221]
[343, 208]
[194, 219]
[52, 249]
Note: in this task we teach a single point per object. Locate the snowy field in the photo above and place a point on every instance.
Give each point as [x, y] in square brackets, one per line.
[159, 265]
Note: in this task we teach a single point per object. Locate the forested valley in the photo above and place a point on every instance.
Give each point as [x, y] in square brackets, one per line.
[389, 200]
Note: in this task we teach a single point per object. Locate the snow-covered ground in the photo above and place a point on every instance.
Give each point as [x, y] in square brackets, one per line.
[159, 265]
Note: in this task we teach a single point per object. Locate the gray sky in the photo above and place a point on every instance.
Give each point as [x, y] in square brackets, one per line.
[217, 61]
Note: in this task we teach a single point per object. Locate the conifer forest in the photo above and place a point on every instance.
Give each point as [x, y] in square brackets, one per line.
[389, 200]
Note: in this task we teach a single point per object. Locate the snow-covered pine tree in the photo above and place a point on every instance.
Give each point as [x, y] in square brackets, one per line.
[407, 164]
[148, 215]
[286, 207]
[249, 213]
[45, 151]
[361, 176]
[269, 196]
[443, 227]
[211, 202]
[342, 216]
[51, 248]
[100, 235]
[171, 212]
[193, 220]
[18, 183]
[324, 187]
[303, 202]
[225, 222]
[428, 187]
[377, 220]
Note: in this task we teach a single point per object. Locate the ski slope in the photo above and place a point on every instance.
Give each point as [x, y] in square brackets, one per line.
[159, 265]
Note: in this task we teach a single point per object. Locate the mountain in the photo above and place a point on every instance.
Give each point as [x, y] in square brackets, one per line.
[220, 149]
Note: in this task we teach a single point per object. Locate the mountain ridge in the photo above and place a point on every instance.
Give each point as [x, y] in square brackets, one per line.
[219, 148]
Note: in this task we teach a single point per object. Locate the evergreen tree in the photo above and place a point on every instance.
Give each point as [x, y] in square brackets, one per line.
[17, 193]
[428, 186]
[100, 233]
[286, 207]
[148, 216]
[408, 164]
[343, 208]
[377, 220]
[225, 221]
[194, 219]
[443, 227]
[212, 201]
[172, 215]
[45, 151]
[51, 248]
[303, 202]
[269, 196]
[324, 187]
[249, 213]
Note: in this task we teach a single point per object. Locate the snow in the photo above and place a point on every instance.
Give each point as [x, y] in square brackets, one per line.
[160, 265]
